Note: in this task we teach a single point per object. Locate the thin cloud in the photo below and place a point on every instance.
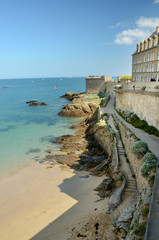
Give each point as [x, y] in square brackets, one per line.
[144, 22]
[106, 43]
[156, 1]
[143, 29]
[124, 40]
[115, 26]
[130, 36]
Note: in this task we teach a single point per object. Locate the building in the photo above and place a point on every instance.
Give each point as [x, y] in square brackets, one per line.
[145, 61]
[122, 79]
[95, 84]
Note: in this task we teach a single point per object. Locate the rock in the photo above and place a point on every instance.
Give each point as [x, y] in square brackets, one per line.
[35, 103]
[101, 166]
[116, 196]
[78, 167]
[71, 95]
[75, 110]
[94, 117]
[121, 233]
[78, 106]
[105, 185]
[125, 218]
[63, 159]
[43, 104]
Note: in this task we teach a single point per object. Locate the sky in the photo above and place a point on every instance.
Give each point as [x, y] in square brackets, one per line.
[60, 38]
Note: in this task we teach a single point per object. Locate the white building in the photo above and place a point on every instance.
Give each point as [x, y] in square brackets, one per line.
[145, 61]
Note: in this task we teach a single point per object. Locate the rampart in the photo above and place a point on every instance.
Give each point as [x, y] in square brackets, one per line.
[142, 98]
[96, 84]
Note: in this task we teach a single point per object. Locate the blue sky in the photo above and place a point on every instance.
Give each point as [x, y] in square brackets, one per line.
[53, 38]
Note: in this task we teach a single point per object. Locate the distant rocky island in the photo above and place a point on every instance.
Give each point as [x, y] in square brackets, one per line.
[34, 103]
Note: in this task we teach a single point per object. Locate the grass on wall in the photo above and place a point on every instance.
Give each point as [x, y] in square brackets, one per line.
[133, 119]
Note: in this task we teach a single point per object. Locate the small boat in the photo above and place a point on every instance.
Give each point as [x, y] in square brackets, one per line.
[55, 86]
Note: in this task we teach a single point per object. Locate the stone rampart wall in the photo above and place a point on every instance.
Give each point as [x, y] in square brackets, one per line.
[141, 86]
[145, 105]
[95, 85]
[98, 84]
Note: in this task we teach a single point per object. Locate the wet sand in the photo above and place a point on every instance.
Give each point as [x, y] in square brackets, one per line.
[47, 203]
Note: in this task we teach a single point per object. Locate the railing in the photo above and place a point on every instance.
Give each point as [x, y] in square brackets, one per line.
[150, 209]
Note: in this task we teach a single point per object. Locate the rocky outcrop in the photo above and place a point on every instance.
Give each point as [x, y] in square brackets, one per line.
[71, 95]
[34, 103]
[78, 109]
[79, 106]
[116, 196]
[124, 220]
[105, 187]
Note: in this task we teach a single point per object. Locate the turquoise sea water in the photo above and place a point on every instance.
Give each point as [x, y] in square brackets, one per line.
[26, 132]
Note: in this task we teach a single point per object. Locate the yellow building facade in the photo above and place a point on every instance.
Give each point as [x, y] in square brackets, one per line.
[145, 61]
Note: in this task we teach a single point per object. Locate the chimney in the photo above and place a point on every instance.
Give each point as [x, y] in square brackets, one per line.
[157, 29]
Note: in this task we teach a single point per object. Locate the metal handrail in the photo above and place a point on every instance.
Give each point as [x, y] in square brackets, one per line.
[152, 198]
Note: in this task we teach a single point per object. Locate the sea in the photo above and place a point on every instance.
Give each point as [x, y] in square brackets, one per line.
[27, 133]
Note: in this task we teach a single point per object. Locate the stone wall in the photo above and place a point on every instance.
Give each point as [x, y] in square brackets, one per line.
[101, 135]
[138, 86]
[128, 138]
[110, 87]
[144, 104]
[97, 84]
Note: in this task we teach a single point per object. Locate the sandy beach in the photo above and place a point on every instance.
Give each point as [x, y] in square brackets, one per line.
[38, 202]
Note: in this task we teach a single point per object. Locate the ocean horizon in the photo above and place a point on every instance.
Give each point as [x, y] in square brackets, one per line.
[26, 133]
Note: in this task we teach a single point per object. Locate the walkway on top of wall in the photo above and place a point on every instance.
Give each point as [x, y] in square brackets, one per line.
[153, 144]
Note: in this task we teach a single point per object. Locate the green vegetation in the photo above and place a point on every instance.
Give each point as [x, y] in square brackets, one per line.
[105, 116]
[126, 77]
[104, 97]
[121, 178]
[145, 210]
[133, 119]
[105, 100]
[139, 148]
[149, 162]
[143, 88]
[149, 157]
[151, 180]
[140, 231]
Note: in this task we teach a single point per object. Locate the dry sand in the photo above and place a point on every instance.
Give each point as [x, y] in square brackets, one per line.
[52, 204]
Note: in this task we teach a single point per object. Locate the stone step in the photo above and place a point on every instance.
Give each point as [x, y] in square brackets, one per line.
[132, 186]
[130, 190]
[131, 181]
[120, 149]
[130, 194]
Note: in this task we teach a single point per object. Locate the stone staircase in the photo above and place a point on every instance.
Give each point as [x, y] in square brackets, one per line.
[131, 190]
